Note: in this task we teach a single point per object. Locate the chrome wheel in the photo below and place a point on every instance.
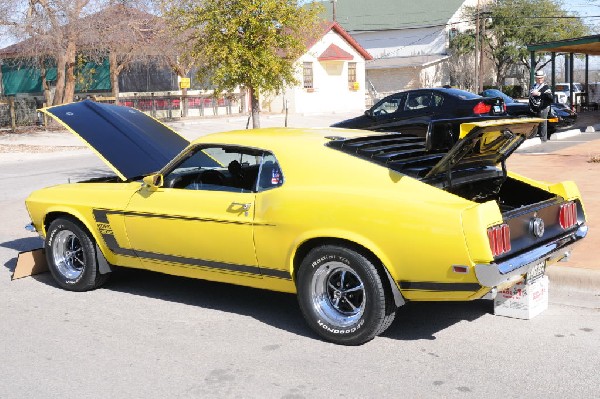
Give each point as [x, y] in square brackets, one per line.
[338, 294]
[68, 254]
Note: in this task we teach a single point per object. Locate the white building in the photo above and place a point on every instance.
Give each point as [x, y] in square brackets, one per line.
[331, 75]
[408, 40]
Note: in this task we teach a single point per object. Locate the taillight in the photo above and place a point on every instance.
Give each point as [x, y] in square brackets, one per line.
[504, 107]
[567, 216]
[482, 108]
[499, 237]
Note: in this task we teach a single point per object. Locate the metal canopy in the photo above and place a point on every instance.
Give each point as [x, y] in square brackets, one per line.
[581, 45]
[588, 45]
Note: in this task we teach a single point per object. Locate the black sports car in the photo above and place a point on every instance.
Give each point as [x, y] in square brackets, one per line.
[435, 114]
[560, 115]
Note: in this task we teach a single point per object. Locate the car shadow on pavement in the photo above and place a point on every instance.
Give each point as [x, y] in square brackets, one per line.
[422, 320]
[276, 309]
[414, 321]
[21, 245]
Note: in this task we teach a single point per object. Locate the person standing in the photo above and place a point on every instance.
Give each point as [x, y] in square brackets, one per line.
[540, 98]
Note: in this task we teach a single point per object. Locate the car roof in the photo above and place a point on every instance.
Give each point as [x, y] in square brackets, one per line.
[282, 138]
[456, 92]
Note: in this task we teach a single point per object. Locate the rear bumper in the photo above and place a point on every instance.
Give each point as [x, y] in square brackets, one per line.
[495, 274]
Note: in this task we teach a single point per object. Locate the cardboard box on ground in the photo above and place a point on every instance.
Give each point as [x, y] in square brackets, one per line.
[523, 301]
[30, 263]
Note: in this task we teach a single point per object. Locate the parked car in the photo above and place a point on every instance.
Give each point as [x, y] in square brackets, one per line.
[425, 112]
[566, 89]
[559, 117]
[354, 222]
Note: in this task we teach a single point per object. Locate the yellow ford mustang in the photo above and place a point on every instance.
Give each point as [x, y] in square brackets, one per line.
[354, 222]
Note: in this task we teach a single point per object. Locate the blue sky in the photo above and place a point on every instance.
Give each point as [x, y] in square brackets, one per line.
[589, 10]
[585, 8]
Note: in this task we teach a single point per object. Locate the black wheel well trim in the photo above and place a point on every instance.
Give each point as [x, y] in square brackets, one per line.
[391, 287]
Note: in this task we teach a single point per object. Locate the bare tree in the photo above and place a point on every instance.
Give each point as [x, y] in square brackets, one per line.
[59, 30]
[55, 23]
[174, 49]
[124, 34]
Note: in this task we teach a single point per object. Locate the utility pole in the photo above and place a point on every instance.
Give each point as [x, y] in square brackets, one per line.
[480, 79]
[477, 48]
[333, 2]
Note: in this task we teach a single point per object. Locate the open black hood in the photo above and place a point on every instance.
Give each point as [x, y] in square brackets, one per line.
[132, 143]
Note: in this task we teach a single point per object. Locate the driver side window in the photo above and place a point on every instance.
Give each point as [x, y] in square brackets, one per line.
[225, 168]
[216, 168]
[389, 105]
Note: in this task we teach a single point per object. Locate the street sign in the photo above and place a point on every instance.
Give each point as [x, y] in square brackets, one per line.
[184, 83]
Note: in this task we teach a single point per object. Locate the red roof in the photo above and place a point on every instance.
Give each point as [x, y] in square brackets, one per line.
[334, 53]
[327, 26]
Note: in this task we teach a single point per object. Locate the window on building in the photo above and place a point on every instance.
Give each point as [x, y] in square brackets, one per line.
[308, 75]
[351, 74]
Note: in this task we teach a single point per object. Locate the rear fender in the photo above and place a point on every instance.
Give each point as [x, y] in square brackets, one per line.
[352, 240]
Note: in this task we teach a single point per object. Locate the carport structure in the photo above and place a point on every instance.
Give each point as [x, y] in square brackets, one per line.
[588, 45]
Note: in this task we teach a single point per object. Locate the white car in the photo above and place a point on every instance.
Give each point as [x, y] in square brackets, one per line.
[565, 89]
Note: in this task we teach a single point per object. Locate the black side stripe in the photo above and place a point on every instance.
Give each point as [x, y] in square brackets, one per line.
[101, 216]
[214, 265]
[433, 286]
[157, 216]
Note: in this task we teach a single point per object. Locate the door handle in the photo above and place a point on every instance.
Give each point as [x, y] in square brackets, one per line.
[245, 206]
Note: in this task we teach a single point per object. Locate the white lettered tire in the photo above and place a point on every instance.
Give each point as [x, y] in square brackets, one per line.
[71, 256]
[342, 296]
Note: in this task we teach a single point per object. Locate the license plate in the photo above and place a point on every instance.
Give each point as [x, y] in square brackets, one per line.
[536, 272]
[497, 109]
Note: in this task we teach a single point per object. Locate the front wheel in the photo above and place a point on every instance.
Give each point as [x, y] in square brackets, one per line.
[342, 296]
[71, 256]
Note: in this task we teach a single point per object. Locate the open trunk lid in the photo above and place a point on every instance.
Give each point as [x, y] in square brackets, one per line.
[483, 144]
[131, 143]
[480, 147]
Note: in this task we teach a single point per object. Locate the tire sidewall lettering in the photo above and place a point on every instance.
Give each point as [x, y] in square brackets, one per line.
[333, 330]
[53, 233]
[330, 258]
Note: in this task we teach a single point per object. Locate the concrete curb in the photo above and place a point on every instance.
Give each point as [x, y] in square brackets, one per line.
[561, 135]
[575, 278]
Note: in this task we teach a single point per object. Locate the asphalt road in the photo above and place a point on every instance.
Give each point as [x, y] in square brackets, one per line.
[147, 335]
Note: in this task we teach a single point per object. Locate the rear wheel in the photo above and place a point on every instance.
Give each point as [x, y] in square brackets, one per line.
[71, 256]
[342, 296]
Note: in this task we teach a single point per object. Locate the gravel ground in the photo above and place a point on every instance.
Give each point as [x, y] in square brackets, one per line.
[27, 148]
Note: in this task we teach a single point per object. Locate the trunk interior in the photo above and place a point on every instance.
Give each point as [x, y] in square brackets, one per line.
[510, 194]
